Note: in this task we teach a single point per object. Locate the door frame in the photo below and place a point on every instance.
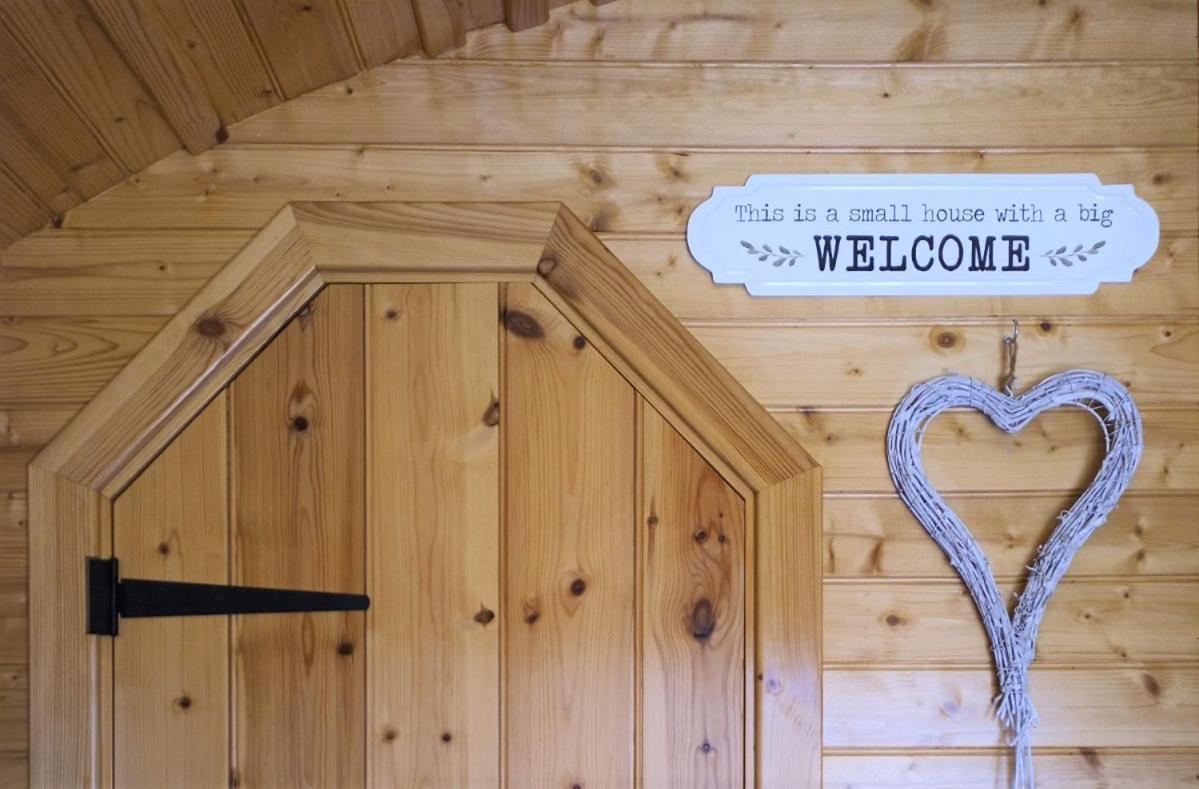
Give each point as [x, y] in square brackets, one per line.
[74, 480]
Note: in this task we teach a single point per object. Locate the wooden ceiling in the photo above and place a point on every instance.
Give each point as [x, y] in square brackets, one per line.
[92, 91]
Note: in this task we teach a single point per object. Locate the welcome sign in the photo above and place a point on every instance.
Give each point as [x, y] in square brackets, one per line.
[880, 235]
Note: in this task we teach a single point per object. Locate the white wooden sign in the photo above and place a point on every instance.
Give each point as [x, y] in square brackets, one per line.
[891, 235]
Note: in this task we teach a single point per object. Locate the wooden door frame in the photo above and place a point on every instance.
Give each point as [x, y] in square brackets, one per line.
[74, 480]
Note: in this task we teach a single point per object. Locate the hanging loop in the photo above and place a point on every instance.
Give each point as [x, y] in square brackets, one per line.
[1012, 343]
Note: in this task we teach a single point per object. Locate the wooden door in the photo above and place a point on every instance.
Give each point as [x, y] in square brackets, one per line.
[558, 578]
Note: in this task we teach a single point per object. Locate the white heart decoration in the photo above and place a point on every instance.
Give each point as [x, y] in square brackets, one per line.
[1014, 638]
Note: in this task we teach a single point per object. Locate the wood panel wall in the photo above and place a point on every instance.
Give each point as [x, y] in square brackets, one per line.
[631, 113]
[92, 91]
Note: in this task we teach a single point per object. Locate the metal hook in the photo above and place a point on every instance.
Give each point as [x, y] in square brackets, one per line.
[1012, 343]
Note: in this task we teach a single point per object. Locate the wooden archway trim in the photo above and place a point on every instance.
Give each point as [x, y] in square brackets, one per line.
[308, 245]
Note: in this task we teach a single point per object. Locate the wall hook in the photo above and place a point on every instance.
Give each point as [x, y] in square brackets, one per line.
[1011, 343]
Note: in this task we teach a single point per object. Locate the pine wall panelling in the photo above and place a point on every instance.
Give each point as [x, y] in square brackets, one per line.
[631, 146]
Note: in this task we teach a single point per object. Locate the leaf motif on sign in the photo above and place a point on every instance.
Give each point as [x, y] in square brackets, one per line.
[783, 255]
[1068, 259]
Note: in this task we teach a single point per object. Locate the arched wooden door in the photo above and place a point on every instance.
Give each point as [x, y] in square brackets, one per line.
[561, 568]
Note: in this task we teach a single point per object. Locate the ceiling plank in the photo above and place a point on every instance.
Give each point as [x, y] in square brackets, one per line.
[142, 36]
[20, 213]
[523, 14]
[306, 42]
[44, 143]
[223, 52]
[385, 29]
[441, 25]
[69, 46]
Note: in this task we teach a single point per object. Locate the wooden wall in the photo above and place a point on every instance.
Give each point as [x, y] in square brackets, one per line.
[631, 112]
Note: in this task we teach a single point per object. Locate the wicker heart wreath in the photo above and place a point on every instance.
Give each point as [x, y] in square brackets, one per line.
[1014, 637]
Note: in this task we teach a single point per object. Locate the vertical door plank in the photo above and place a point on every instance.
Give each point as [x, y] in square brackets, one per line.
[298, 522]
[693, 644]
[569, 614]
[171, 675]
[433, 535]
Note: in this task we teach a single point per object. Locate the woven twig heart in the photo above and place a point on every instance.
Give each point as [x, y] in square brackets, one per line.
[1014, 638]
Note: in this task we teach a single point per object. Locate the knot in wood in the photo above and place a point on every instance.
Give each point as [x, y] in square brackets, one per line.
[546, 265]
[523, 324]
[703, 620]
[210, 327]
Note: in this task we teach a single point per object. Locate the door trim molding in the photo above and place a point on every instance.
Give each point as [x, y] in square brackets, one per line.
[307, 245]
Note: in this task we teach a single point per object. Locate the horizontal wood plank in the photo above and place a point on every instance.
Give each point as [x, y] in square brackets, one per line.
[66, 360]
[1087, 622]
[96, 272]
[611, 190]
[964, 451]
[1082, 707]
[14, 522]
[13, 466]
[874, 364]
[14, 711]
[122, 271]
[825, 30]
[1164, 286]
[928, 769]
[876, 536]
[14, 620]
[713, 105]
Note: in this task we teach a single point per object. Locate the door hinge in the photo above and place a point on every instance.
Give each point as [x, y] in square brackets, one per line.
[110, 598]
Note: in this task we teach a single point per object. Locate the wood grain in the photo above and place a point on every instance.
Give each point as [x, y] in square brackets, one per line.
[65, 702]
[1151, 706]
[673, 371]
[21, 211]
[155, 271]
[1088, 622]
[221, 49]
[440, 24]
[692, 539]
[433, 535]
[788, 638]
[964, 451]
[874, 364]
[375, 241]
[307, 44]
[67, 360]
[297, 482]
[779, 30]
[220, 329]
[45, 144]
[110, 274]
[523, 14]
[384, 29]
[876, 536]
[171, 675]
[712, 105]
[568, 618]
[611, 190]
[1164, 286]
[1148, 768]
[140, 32]
[68, 45]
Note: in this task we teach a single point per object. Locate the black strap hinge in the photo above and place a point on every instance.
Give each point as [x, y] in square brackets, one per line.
[109, 598]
